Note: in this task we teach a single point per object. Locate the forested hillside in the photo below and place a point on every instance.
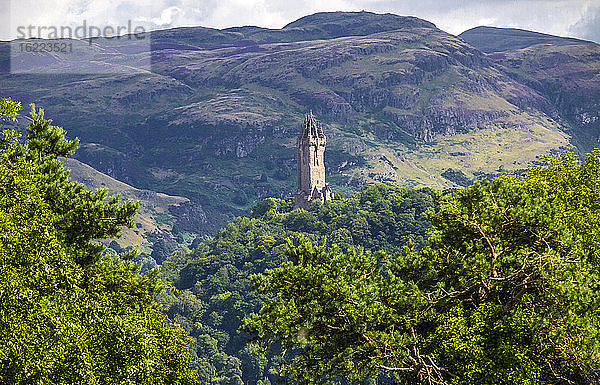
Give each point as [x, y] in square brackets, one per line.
[492, 283]
[502, 288]
[403, 103]
[215, 291]
[506, 292]
[462, 246]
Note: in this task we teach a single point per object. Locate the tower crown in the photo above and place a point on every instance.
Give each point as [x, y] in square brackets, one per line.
[312, 127]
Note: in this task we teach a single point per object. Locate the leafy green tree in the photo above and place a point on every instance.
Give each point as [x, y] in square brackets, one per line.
[68, 314]
[215, 292]
[506, 292]
[161, 249]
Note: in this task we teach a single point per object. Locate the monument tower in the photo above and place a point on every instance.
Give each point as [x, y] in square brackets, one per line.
[310, 150]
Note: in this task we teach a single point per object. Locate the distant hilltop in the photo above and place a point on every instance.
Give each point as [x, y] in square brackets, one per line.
[493, 39]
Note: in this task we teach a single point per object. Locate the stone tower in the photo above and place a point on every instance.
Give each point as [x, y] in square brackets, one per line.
[310, 149]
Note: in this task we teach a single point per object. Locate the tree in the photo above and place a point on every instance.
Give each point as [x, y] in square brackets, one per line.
[84, 215]
[68, 314]
[506, 292]
[215, 292]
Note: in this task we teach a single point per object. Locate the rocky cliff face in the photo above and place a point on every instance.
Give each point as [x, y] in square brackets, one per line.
[423, 79]
[403, 102]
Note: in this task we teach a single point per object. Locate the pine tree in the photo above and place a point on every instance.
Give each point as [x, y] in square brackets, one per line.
[68, 314]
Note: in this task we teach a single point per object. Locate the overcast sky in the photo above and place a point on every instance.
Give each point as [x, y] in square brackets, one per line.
[577, 18]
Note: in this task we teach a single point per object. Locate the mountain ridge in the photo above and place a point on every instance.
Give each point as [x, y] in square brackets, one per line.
[216, 119]
[565, 73]
[487, 39]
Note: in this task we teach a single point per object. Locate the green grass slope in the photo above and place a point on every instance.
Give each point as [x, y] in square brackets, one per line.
[565, 71]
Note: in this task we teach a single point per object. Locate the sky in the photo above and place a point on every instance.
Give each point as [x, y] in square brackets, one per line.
[576, 18]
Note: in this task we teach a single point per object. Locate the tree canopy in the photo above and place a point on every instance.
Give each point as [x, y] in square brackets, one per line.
[506, 292]
[68, 314]
[215, 292]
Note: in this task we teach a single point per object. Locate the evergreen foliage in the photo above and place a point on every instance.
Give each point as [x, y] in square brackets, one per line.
[68, 314]
[215, 292]
[496, 283]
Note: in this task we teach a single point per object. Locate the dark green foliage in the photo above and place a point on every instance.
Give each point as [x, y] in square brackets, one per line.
[161, 249]
[68, 313]
[240, 198]
[115, 246]
[147, 263]
[457, 177]
[215, 289]
[283, 172]
[506, 292]
[196, 242]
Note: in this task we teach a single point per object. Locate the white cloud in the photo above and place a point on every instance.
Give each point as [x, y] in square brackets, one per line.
[166, 18]
[588, 27]
[559, 17]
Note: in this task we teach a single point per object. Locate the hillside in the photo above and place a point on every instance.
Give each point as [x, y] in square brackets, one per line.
[215, 121]
[494, 39]
[565, 71]
[214, 284]
[155, 217]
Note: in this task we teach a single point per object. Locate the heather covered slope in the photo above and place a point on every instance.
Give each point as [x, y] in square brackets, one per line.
[215, 121]
[565, 71]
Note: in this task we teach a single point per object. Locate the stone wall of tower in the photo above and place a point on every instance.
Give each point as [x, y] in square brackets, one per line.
[311, 170]
[310, 155]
